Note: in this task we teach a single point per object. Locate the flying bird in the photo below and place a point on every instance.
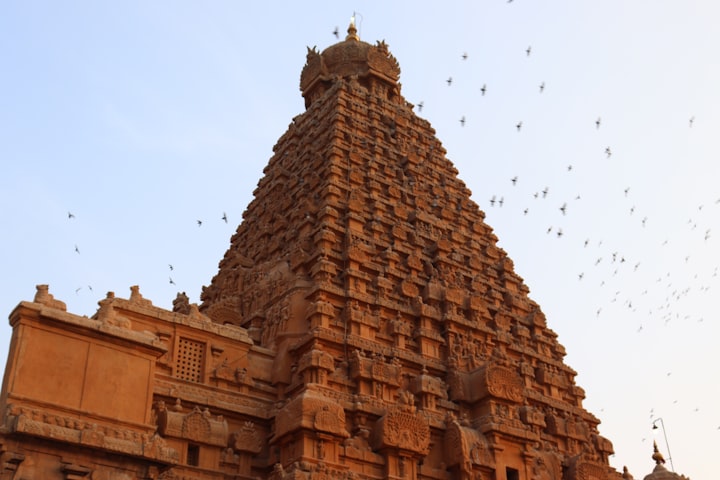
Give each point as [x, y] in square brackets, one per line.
[199, 222]
[514, 180]
[77, 250]
[171, 281]
[542, 87]
[483, 89]
[608, 152]
[464, 56]
[420, 106]
[492, 201]
[518, 126]
[224, 217]
[449, 81]
[462, 121]
[563, 209]
[528, 50]
[336, 32]
[71, 215]
[597, 122]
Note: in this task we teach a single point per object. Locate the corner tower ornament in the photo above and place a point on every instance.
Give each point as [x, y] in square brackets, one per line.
[363, 324]
[372, 65]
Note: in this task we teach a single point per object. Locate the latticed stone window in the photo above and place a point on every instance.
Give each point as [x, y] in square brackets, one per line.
[191, 355]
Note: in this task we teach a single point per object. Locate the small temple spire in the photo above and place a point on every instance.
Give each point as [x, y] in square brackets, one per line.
[657, 456]
[352, 30]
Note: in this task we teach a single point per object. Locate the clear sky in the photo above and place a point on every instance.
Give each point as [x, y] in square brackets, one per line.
[140, 118]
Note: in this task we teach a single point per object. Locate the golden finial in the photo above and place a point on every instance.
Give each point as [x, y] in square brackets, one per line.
[352, 31]
[657, 456]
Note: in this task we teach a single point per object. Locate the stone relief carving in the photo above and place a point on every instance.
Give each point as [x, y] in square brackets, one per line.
[403, 427]
[247, 439]
[197, 425]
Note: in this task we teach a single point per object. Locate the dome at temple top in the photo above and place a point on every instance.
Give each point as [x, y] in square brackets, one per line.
[660, 472]
[350, 58]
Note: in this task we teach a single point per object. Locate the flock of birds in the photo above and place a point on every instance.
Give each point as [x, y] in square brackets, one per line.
[655, 298]
[71, 217]
[653, 303]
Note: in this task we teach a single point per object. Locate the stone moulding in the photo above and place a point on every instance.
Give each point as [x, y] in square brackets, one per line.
[80, 432]
[311, 411]
[466, 447]
[490, 380]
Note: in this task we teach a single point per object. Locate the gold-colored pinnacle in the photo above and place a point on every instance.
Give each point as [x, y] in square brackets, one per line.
[352, 31]
[657, 456]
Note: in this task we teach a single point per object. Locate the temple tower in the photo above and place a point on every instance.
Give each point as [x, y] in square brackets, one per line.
[363, 324]
[405, 346]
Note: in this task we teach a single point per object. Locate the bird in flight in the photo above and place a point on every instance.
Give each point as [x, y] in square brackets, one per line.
[462, 121]
[171, 267]
[692, 120]
[528, 50]
[597, 122]
[483, 89]
[71, 215]
[199, 222]
[449, 81]
[77, 250]
[608, 152]
[336, 32]
[545, 192]
[563, 209]
[224, 217]
[519, 125]
[464, 56]
[171, 281]
[514, 180]
[492, 201]
[420, 106]
[559, 232]
[542, 87]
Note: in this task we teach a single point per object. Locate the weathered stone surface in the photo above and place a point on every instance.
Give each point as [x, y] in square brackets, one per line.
[363, 324]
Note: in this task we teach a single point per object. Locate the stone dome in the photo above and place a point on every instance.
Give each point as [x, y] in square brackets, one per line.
[349, 58]
[660, 472]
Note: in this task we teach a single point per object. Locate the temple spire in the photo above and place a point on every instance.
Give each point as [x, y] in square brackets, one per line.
[352, 30]
[657, 456]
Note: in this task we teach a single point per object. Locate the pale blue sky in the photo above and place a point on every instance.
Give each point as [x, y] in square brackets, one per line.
[141, 118]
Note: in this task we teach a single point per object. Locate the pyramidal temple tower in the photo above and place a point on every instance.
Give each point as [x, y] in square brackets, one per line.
[363, 324]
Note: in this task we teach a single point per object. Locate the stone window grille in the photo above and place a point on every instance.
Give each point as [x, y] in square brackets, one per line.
[190, 359]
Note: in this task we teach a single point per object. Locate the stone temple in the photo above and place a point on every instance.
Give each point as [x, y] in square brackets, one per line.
[363, 324]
